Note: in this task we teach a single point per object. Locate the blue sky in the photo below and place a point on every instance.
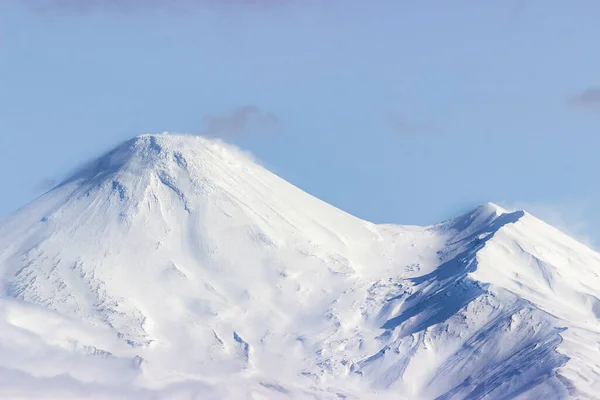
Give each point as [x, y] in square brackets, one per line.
[403, 112]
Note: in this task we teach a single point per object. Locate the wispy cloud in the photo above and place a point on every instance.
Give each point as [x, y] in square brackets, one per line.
[127, 6]
[402, 127]
[44, 185]
[399, 126]
[589, 99]
[240, 121]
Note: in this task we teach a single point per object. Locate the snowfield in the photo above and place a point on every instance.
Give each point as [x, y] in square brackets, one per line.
[175, 267]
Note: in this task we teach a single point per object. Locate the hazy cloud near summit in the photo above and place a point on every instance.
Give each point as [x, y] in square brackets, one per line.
[589, 99]
[44, 185]
[239, 121]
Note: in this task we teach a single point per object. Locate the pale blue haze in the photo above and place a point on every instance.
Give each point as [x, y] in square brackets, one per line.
[404, 112]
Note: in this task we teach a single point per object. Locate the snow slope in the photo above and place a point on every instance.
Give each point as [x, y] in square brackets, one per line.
[176, 267]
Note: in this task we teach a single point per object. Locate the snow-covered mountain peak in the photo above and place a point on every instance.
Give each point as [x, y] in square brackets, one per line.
[148, 152]
[480, 218]
[490, 208]
[175, 267]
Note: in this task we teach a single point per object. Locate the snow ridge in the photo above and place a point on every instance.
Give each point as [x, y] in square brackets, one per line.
[175, 266]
